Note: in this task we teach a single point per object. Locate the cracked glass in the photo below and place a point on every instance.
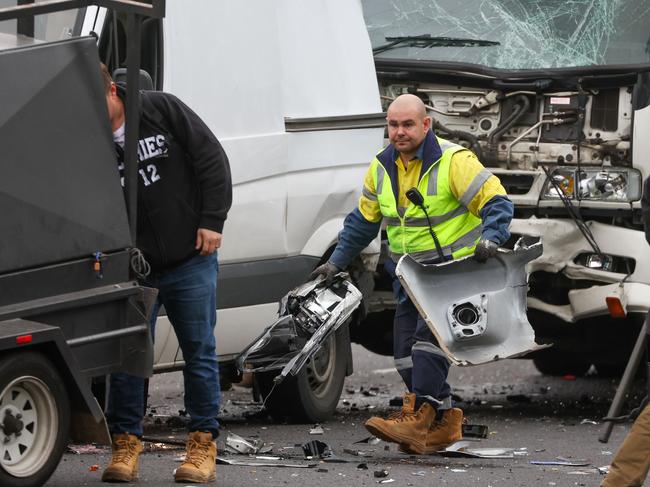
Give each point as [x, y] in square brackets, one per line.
[521, 34]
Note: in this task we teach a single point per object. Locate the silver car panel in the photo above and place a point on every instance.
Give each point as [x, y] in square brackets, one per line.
[477, 311]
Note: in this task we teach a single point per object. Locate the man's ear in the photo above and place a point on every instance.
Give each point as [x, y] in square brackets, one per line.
[113, 90]
[426, 122]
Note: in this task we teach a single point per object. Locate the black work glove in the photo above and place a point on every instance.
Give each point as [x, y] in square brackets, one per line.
[327, 270]
[485, 249]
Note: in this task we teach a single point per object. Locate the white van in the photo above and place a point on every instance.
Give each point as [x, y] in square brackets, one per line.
[289, 89]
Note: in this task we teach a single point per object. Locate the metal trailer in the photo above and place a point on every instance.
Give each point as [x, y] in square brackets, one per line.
[70, 307]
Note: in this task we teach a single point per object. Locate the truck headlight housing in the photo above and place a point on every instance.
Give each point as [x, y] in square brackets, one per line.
[597, 184]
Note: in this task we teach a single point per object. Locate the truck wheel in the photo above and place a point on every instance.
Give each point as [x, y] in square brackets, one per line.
[312, 395]
[34, 419]
[551, 365]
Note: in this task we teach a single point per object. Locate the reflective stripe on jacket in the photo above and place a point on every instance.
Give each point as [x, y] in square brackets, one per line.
[457, 229]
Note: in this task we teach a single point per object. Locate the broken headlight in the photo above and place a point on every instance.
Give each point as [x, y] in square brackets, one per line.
[598, 184]
[309, 314]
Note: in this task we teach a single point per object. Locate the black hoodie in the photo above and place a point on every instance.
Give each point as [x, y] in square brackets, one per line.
[184, 181]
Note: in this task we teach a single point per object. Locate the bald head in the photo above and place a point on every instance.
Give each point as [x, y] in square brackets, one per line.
[408, 102]
[408, 125]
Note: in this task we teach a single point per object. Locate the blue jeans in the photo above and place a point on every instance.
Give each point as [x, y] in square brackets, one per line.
[189, 294]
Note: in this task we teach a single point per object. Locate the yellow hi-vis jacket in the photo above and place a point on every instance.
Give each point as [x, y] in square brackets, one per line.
[454, 217]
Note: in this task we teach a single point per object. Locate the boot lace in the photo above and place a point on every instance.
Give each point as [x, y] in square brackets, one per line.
[124, 451]
[197, 452]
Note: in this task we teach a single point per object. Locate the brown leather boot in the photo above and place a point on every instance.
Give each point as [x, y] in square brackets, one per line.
[440, 435]
[200, 460]
[410, 426]
[124, 464]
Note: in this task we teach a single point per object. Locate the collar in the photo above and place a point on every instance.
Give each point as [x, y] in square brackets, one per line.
[419, 153]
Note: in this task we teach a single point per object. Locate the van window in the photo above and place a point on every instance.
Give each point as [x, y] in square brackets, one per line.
[48, 27]
[511, 34]
[112, 46]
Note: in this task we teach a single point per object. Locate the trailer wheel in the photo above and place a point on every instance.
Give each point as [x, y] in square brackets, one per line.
[34, 419]
[313, 394]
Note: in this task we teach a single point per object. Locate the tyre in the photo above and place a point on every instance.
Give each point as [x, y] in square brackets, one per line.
[312, 395]
[551, 365]
[34, 419]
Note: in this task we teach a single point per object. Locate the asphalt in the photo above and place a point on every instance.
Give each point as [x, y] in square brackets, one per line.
[541, 418]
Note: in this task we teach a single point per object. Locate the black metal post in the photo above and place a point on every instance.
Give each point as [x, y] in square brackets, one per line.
[133, 29]
[626, 381]
[25, 25]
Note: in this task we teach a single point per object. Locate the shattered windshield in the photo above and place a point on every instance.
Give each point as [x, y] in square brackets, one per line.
[513, 34]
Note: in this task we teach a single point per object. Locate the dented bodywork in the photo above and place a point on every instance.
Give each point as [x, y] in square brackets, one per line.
[309, 315]
[477, 311]
[554, 98]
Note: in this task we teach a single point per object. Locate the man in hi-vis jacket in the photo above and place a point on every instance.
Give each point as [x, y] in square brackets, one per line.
[469, 213]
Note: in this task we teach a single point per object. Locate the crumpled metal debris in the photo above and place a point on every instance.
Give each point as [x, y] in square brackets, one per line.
[238, 444]
[464, 448]
[380, 473]
[309, 314]
[317, 430]
[228, 461]
[358, 453]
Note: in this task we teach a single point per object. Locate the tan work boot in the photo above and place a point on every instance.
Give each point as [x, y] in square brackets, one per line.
[124, 464]
[410, 426]
[440, 435]
[200, 460]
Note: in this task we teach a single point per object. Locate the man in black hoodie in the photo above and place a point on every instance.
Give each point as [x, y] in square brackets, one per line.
[184, 193]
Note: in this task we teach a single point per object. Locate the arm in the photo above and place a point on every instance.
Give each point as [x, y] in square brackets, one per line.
[360, 226]
[482, 193]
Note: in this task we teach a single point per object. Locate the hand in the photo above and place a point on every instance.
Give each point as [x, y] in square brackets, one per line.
[207, 241]
[327, 270]
[484, 250]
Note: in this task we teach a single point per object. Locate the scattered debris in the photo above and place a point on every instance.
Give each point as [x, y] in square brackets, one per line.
[569, 377]
[588, 421]
[386, 481]
[463, 448]
[238, 444]
[362, 466]
[317, 430]
[563, 462]
[243, 463]
[420, 473]
[371, 440]
[458, 470]
[85, 449]
[603, 470]
[380, 474]
[322, 470]
[358, 453]
[162, 443]
[475, 431]
[316, 449]
[93, 468]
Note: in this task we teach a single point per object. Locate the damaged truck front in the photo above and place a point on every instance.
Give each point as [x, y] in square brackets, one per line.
[70, 307]
[554, 98]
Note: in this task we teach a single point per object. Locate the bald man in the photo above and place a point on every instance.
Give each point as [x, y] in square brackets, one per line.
[469, 213]
[184, 193]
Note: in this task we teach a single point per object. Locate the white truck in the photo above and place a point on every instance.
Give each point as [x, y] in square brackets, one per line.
[555, 99]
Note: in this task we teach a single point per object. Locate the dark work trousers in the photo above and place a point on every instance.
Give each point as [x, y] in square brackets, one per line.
[418, 359]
